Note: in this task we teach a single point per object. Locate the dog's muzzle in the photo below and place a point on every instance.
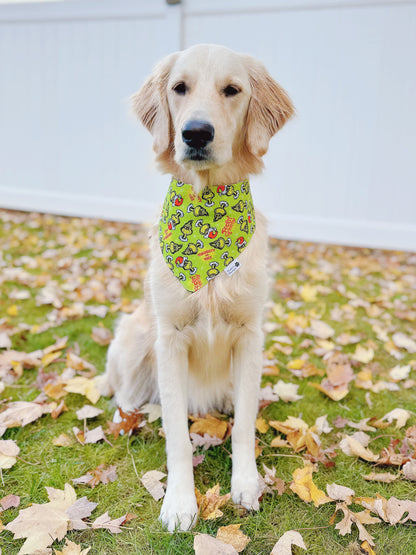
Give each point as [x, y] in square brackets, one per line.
[197, 135]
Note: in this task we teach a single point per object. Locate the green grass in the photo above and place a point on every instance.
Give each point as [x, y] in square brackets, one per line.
[42, 464]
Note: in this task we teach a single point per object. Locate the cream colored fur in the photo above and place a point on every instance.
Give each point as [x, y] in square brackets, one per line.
[194, 352]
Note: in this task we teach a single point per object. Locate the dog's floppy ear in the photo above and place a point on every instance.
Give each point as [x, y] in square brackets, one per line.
[150, 105]
[269, 108]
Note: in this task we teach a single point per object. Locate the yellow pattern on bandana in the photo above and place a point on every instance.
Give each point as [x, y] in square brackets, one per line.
[202, 234]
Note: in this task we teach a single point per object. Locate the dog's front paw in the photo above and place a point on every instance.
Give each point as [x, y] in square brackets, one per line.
[179, 510]
[245, 491]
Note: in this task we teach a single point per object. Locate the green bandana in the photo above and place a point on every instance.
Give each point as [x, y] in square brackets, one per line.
[202, 234]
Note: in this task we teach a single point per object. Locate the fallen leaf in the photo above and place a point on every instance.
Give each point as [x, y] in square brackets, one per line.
[284, 545]
[359, 519]
[210, 502]
[9, 501]
[151, 481]
[340, 493]
[207, 545]
[105, 522]
[363, 355]
[62, 440]
[153, 411]
[320, 329]
[101, 474]
[400, 415]
[232, 535]
[208, 425]
[84, 386]
[8, 453]
[89, 436]
[72, 548]
[287, 391]
[21, 413]
[385, 477]
[41, 524]
[87, 411]
[303, 486]
[128, 422]
[400, 372]
[204, 441]
[409, 470]
[403, 341]
[352, 447]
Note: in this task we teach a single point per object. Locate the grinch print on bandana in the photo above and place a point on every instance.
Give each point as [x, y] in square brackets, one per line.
[203, 234]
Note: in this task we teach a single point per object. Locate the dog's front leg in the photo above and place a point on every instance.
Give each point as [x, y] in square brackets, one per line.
[179, 507]
[247, 363]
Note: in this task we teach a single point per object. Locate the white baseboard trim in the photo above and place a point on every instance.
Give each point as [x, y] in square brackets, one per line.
[385, 235]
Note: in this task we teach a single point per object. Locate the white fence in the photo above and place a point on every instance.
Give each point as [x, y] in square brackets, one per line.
[343, 171]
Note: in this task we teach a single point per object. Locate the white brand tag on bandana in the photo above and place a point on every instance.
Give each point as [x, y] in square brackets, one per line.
[232, 267]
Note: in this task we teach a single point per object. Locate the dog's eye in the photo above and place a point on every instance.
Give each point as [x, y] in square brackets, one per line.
[180, 88]
[230, 90]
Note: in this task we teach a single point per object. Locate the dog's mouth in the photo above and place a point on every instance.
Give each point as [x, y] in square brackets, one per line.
[193, 154]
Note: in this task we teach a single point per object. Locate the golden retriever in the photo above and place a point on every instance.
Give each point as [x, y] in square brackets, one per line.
[211, 112]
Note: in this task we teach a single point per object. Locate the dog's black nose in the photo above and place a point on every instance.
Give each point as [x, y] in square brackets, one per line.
[197, 134]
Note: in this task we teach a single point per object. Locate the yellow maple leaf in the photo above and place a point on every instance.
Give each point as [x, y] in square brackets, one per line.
[84, 386]
[50, 357]
[303, 486]
[209, 424]
[210, 502]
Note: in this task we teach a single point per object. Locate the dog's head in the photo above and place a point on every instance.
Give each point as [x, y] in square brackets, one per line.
[208, 106]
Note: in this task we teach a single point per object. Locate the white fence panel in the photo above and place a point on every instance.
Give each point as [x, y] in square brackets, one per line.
[68, 143]
[343, 171]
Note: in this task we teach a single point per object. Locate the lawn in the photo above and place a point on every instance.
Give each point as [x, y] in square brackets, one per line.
[342, 319]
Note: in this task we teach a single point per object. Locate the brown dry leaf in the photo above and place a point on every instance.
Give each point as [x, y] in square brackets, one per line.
[102, 336]
[207, 545]
[385, 477]
[284, 545]
[8, 453]
[84, 386]
[303, 486]
[72, 548]
[340, 374]
[205, 441]
[208, 425]
[210, 502]
[62, 440]
[359, 519]
[99, 474]
[232, 535]
[340, 493]
[130, 421]
[391, 510]
[9, 501]
[409, 470]
[57, 410]
[352, 447]
[89, 436]
[112, 526]
[41, 524]
[79, 364]
[151, 481]
[20, 413]
[271, 483]
[389, 456]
